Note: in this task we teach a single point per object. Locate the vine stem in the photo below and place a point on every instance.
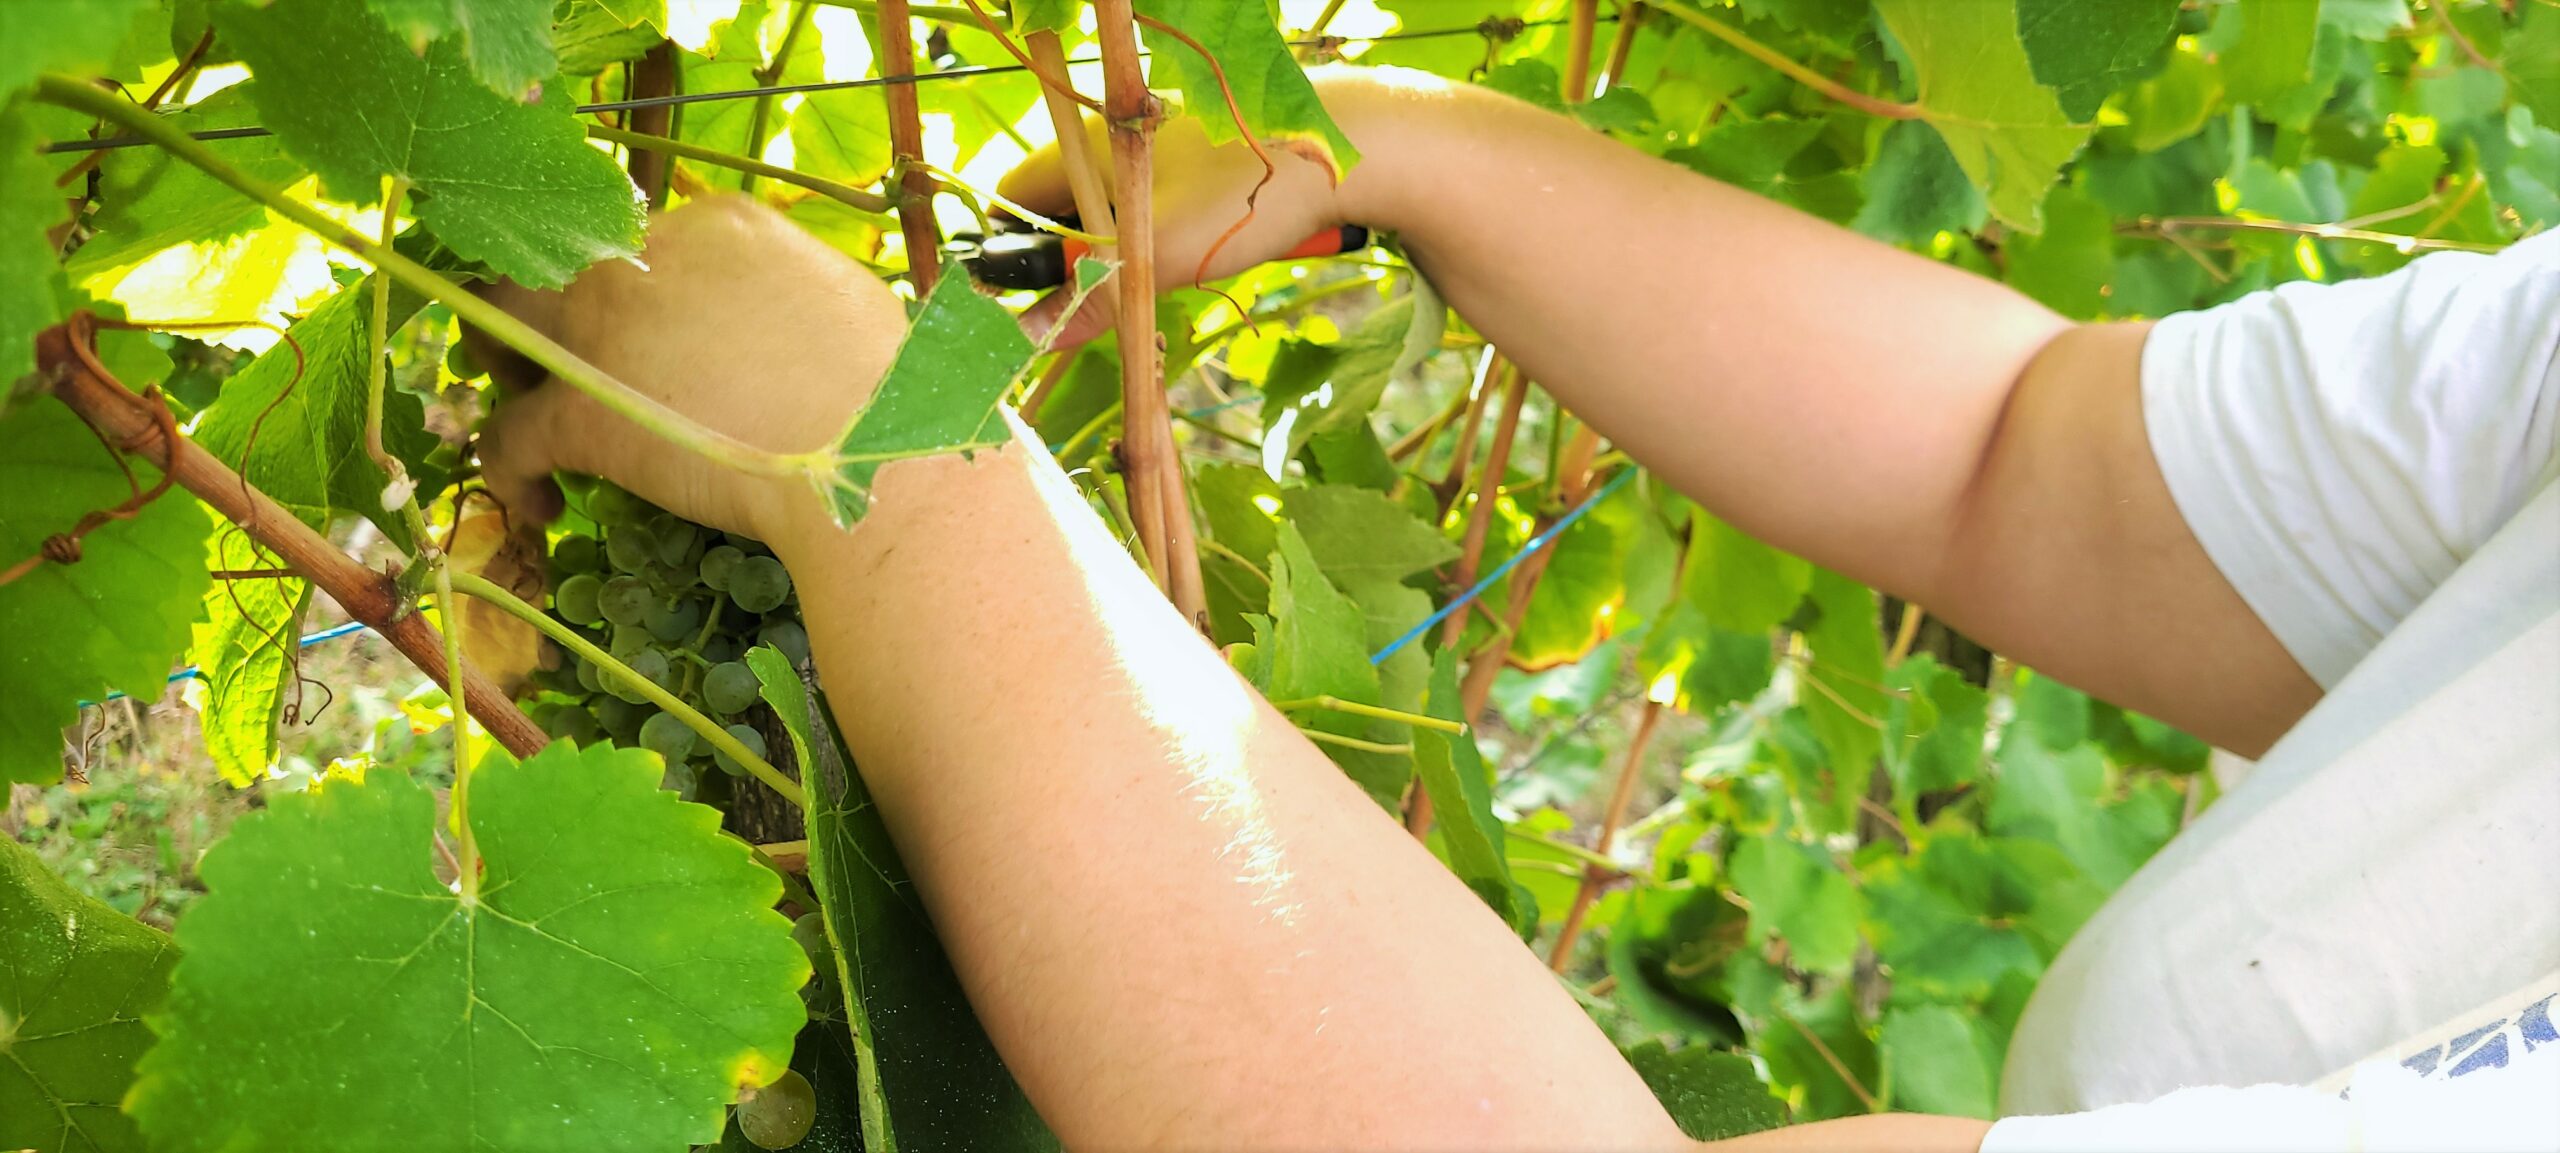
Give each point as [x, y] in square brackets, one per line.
[832, 189]
[906, 145]
[474, 585]
[1630, 18]
[467, 851]
[655, 74]
[1157, 498]
[1488, 491]
[134, 426]
[1085, 179]
[1051, 73]
[1589, 859]
[1355, 708]
[1871, 105]
[760, 114]
[1589, 889]
[615, 396]
[1577, 53]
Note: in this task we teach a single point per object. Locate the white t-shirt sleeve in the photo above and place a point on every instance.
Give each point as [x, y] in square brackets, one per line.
[2340, 449]
[2387, 1109]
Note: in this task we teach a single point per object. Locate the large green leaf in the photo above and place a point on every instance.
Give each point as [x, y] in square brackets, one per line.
[1933, 728]
[1315, 388]
[75, 979]
[1453, 775]
[1842, 688]
[940, 393]
[2272, 52]
[513, 185]
[1937, 1056]
[2008, 132]
[1711, 1095]
[60, 36]
[30, 279]
[1269, 89]
[508, 42]
[1739, 583]
[116, 620]
[149, 200]
[294, 424]
[2531, 62]
[1314, 644]
[1799, 896]
[1357, 534]
[619, 979]
[2085, 51]
[244, 648]
[930, 1078]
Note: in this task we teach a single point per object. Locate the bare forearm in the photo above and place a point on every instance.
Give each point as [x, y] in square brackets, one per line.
[1182, 925]
[1700, 327]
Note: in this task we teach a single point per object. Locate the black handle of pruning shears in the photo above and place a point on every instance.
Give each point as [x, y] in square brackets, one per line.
[1017, 257]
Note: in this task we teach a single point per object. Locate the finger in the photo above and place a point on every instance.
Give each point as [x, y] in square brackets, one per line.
[518, 453]
[1046, 321]
[1040, 182]
[506, 366]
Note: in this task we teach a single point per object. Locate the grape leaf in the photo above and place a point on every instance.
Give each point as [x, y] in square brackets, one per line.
[294, 425]
[2272, 54]
[2365, 19]
[1708, 667]
[2006, 131]
[1749, 153]
[1358, 534]
[116, 620]
[1933, 727]
[1798, 895]
[1453, 775]
[1314, 388]
[1842, 689]
[515, 186]
[591, 36]
[940, 393]
[620, 978]
[75, 979]
[1271, 92]
[2068, 266]
[1936, 1056]
[508, 42]
[1941, 940]
[1741, 584]
[1045, 15]
[1915, 189]
[1711, 1095]
[2085, 51]
[1575, 601]
[842, 135]
[2531, 61]
[243, 647]
[930, 1078]
[30, 281]
[60, 36]
[1314, 643]
[149, 200]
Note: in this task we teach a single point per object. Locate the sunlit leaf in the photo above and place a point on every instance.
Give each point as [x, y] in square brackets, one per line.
[961, 353]
[508, 42]
[1269, 90]
[75, 979]
[1975, 87]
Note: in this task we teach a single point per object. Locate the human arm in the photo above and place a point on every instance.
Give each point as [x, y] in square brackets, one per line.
[1912, 425]
[1181, 924]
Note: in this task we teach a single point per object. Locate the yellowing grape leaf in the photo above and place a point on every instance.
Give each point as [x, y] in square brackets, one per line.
[621, 977]
[244, 647]
[2007, 132]
[75, 979]
[513, 185]
[116, 620]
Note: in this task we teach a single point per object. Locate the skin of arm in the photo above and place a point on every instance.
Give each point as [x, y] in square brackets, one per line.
[1183, 927]
[1912, 425]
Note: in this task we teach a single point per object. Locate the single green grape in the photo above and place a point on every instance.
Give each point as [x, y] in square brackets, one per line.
[620, 716]
[679, 541]
[576, 553]
[787, 635]
[753, 740]
[668, 736]
[613, 506]
[716, 564]
[650, 664]
[626, 600]
[587, 677]
[459, 361]
[679, 779]
[628, 640]
[759, 584]
[673, 621]
[721, 648]
[574, 723]
[731, 687]
[630, 549]
[779, 1114]
[575, 600]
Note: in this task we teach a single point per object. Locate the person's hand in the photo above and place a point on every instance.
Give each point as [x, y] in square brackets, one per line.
[1209, 220]
[734, 317]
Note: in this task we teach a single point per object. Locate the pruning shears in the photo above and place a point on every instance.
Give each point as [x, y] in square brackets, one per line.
[1019, 257]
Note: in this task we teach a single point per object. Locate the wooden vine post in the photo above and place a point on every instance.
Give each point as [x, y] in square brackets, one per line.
[134, 426]
[906, 144]
[1158, 503]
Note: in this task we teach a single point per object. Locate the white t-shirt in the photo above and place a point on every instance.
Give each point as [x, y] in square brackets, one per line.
[2375, 466]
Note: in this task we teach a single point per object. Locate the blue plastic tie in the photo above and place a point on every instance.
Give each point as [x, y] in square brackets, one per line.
[1502, 570]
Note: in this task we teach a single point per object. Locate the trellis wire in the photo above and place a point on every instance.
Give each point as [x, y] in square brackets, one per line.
[1499, 29]
[192, 672]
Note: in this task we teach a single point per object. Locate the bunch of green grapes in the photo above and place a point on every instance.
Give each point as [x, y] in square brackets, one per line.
[677, 603]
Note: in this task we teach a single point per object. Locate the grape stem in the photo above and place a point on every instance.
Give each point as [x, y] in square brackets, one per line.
[792, 889]
[473, 584]
[1355, 708]
[467, 854]
[648, 413]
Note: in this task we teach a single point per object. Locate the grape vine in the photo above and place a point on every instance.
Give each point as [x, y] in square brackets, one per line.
[1802, 850]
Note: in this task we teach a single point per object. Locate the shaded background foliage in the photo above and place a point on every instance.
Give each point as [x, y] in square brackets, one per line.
[1814, 847]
